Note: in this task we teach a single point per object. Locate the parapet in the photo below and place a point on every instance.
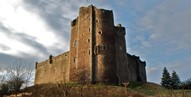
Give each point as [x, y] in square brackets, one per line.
[136, 58]
[52, 59]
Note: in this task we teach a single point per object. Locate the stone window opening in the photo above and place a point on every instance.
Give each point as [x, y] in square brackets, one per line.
[75, 43]
[104, 48]
[74, 60]
[100, 32]
[89, 29]
[89, 52]
[97, 21]
[88, 40]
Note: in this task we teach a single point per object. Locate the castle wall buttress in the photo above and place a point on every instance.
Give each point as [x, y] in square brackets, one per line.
[121, 56]
[104, 48]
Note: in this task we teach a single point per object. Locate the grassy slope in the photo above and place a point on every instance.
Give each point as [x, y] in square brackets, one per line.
[98, 90]
[152, 89]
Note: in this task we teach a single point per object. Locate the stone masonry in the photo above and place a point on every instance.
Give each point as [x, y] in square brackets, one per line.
[97, 53]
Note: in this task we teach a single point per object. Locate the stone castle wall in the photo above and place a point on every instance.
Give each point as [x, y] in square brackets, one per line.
[104, 46]
[54, 69]
[92, 46]
[121, 57]
[97, 53]
[136, 69]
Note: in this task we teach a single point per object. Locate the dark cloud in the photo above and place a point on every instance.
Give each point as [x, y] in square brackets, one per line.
[57, 14]
[23, 38]
[6, 60]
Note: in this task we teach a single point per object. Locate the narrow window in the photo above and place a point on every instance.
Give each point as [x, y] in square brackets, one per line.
[88, 40]
[74, 60]
[75, 43]
[104, 47]
[89, 52]
[97, 21]
[100, 32]
[89, 29]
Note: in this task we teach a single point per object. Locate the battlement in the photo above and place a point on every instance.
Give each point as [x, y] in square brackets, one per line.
[52, 59]
[136, 58]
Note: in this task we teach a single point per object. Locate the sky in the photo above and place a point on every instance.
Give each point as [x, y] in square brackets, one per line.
[159, 31]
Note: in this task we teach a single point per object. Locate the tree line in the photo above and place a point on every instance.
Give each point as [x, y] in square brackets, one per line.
[173, 81]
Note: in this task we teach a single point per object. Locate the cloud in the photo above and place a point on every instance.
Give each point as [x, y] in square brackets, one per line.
[57, 15]
[168, 24]
[34, 29]
[24, 34]
[7, 59]
[4, 47]
[161, 35]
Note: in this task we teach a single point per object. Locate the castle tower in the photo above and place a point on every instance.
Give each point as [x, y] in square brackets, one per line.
[92, 46]
[97, 53]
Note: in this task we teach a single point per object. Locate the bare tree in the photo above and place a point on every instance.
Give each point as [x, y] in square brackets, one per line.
[18, 74]
[2, 78]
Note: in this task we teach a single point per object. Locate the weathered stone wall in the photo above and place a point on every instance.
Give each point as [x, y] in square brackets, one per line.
[136, 69]
[121, 56]
[74, 50]
[80, 46]
[97, 53]
[94, 52]
[105, 46]
[53, 70]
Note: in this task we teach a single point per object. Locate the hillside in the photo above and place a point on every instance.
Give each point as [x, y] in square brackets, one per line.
[100, 90]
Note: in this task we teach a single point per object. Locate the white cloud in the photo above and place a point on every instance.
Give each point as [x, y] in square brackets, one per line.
[18, 20]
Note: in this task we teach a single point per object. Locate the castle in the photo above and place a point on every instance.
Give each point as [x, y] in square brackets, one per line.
[97, 53]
